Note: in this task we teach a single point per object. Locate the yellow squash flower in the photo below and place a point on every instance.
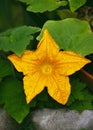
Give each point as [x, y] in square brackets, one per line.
[49, 67]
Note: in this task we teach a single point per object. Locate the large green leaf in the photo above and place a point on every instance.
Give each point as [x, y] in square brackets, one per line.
[43, 5]
[13, 98]
[5, 68]
[17, 39]
[71, 34]
[75, 4]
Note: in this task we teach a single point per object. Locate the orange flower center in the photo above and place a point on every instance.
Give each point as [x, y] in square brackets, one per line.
[46, 69]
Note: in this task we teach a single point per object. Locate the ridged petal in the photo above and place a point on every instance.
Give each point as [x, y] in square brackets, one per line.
[33, 85]
[27, 63]
[47, 47]
[67, 63]
[59, 88]
[17, 62]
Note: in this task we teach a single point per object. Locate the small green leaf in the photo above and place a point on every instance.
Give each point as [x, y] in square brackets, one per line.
[43, 5]
[71, 34]
[81, 98]
[71, 100]
[17, 39]
[66, 13]
[75, 4]
[77, 89]
[13, 98]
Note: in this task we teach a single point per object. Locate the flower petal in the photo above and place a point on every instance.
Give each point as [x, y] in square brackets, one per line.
[16, 62]
[47, 47]
[68, 62]
[30, 63]
[27, 63]
[59, 88]
[33, 85]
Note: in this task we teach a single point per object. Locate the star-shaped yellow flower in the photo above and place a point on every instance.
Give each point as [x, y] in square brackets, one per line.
[49, 67]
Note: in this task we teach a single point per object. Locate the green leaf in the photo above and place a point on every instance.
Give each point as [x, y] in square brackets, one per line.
[43, 5]
[13, 98]
[81, 98]
[71, 34]
[75, 4]
[17, 39]
[77, 89]
[5, 68]
[71, 100]
[43, 96]
[82, 105]
[84, 44]
[66, 13]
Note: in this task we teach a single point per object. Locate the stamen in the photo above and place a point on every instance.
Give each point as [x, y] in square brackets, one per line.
[46, 69]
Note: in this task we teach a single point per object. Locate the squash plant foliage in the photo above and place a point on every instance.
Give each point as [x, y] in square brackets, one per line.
[22, 34]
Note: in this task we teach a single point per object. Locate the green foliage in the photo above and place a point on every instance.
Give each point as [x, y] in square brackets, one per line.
[66, 13]
[13, 98]
[17, 39]
[71, 34]
[50, 5]
[81, 98]
[75, 4]
[5, 68]
[75, 35]
[43, 5]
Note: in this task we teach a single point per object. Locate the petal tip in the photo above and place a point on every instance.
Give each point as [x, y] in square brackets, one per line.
[28, 100]
[11, 57]
[46, 31]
